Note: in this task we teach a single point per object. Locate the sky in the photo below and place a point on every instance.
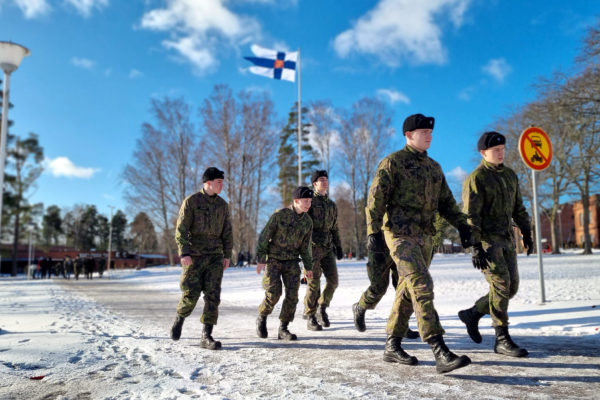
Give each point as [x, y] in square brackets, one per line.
[96, 65]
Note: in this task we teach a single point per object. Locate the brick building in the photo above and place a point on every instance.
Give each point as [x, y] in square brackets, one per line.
[570, 224]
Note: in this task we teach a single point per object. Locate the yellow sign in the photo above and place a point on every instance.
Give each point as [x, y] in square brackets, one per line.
[535, 148]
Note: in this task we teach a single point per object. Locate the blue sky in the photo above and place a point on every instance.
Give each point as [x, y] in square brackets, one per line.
[96, 65]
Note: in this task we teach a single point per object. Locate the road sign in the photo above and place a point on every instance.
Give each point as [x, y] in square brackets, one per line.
[535, 148]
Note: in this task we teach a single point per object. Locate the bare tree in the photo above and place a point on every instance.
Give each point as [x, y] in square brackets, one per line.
[324, 133]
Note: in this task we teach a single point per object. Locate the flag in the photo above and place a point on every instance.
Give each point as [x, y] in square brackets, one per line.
[273, 64]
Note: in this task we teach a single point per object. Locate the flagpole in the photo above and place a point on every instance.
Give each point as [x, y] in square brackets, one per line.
[299, 126]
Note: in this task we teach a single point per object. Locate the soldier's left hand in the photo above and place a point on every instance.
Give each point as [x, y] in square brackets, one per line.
[225, 263]
[308, 274]
[466, 236]
[528, 242]
[260, 268]
[339, 253]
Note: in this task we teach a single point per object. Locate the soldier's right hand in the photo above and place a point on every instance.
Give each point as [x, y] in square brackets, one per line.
[260, 267]
[480, 258]
[186, 261]
[376, 242]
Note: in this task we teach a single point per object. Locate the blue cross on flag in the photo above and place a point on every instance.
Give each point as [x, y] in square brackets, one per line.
[273, 64]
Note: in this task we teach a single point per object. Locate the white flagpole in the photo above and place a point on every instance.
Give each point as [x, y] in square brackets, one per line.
[299, 125]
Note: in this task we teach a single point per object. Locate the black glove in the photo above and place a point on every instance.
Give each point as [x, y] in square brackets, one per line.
[528, 241]
[339, 253]
[376, 242]
[480, 257]
[466, 236]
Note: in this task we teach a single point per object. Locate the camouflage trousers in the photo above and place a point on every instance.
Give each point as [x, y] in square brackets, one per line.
[379, 266]
[503, 278]
[204, 275]
[323, 264]
[279, 271]
[412, 256]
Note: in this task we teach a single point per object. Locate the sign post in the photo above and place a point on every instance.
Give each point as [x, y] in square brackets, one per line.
[536, 151]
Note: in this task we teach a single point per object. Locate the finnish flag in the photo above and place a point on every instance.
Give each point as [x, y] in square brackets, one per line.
[273, 64]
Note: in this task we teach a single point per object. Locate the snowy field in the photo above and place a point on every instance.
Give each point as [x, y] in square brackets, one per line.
[109, 339]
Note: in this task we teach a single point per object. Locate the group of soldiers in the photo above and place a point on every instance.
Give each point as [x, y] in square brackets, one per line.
[408, 189]
[76, 266]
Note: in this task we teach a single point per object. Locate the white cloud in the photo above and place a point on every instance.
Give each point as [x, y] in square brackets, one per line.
[467, 93]
[398, 31]
[85, 7]
[199, 29]
[62, 166]
[83, 62]
[134, 73]
[393, 96]
[458, 174]
[497, 68]
[33, 8]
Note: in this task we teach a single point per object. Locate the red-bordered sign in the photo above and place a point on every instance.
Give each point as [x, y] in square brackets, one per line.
[535, 148]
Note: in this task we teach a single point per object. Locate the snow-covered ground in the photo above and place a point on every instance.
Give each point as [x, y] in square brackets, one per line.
[109, 339]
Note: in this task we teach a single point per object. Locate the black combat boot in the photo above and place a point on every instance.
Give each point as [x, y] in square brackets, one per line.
[284, 334]
[505, 345]
[445, 360]
[312, 324]
[322, 317]
[410, 334]
[359, 317]
[176, 328]
[261, 326]
[394, 352]
[207, 340]
[470, 317]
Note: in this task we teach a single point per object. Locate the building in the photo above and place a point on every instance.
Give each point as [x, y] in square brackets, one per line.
[594, 226]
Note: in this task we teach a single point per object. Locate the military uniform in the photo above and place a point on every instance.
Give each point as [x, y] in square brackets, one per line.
[492, 200]
[379, 267]
[77, 267]
[286, 236]
[408, 188]
[325, 240]
[203, 232]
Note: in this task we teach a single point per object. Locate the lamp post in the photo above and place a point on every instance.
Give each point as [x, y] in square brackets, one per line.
[109, 240]
[11, 55]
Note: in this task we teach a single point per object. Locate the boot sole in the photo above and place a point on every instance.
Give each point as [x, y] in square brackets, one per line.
[216, 346]
[393, 359]
[315, 329]
[520, 354]
[461, 362]
[292, 338]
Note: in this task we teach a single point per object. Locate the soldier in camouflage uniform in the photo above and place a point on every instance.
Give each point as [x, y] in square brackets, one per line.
[407, 190]
[326, 245]
[286, 236]
[492, 201]
[380, 266]
[204, 240]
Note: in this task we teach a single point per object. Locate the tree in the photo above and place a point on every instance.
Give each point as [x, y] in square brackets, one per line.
[324, 131]
[143, 236]
[288, 151]
[24, 158]
[52, 225]
[119, 226]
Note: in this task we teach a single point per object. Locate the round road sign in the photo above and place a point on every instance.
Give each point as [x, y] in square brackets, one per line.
[535, 148]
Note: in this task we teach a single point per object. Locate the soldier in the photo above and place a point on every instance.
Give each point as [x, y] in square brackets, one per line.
[77, 267]
[492, 201]
[67, 267]
[407, 190]
[89, 266]
[379, 267]
[286, 236]
[326, 246]
[101, 265]
[204, 239]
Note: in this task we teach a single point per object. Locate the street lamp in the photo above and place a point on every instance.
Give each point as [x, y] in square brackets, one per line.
[11, 55]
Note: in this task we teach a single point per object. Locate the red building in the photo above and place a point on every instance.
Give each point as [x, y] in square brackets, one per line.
[570, 224]
[594, 216]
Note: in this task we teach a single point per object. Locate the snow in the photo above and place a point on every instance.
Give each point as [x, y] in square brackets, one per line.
[109, 339]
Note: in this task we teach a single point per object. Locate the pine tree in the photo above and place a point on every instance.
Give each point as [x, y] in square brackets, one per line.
[288, 151]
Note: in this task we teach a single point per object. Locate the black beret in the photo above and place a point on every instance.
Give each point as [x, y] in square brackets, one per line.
[303, 192]
[317, 174]
[417, 121]
[212, 173]
[490, 139]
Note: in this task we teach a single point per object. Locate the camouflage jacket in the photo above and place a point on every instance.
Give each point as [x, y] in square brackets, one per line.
[204, 226]
[323, 213]
[407, 190]
[286, 235]
[492, 200]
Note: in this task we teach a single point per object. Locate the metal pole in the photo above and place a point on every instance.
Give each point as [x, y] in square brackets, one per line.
[29, 256]
[109, 240]
[299, 126]
[3, 135]
[538, 239]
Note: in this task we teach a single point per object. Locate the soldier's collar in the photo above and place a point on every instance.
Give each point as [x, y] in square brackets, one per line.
[214, 196]
[492, 167]
[420, 154]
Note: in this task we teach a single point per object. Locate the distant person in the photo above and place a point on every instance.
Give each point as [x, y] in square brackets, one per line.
[407, 190]
[204, 239]
[68, 267]
[101, 265]
[492, 201]
[283, 241]
[89, 267]
[326, 246]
